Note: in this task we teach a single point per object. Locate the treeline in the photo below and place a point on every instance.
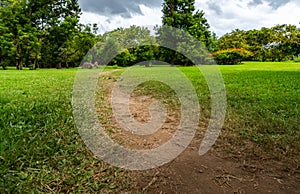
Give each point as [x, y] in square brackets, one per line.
[43, 34]
[47, 34]
[278, 43]
[184, 39]
[129, 46]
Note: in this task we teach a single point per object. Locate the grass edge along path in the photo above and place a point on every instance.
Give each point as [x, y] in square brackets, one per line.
[41, 150]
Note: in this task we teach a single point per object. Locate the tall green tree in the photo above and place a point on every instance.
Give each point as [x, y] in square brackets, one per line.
[181, 14]
[34, 32]
[6, 44]
[58, 19]
[78, 44]
[19, 32]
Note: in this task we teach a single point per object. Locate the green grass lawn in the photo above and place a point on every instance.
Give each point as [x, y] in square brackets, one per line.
[263, 106]
[41, 150]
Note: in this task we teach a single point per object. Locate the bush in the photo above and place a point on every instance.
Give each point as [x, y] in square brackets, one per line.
[231, 56]
[297, 59]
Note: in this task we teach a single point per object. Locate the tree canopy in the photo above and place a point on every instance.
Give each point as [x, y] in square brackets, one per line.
[278, 43]
[182, 15]
[47, 34]
[41, 33]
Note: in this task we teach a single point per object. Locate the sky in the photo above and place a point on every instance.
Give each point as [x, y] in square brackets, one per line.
[222, 15]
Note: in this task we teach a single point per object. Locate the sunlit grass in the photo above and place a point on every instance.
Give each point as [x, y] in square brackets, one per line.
[266, 105]
[41, 150]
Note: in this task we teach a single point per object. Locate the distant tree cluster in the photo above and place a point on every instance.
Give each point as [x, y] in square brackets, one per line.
[279, 43]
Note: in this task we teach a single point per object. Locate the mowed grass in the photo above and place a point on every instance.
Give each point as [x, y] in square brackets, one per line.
[263, 108]
[41, 150]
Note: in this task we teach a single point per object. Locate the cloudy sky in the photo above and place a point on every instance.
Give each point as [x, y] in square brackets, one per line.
[222, 15]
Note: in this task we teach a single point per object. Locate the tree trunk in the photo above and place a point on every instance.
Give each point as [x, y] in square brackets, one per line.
[19, 64]
[35, 65]
[172, 62]
[19, 57]
[3, 65]
[58, 66]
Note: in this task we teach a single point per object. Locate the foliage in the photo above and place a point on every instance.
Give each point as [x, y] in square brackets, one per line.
[47, 34]
[42, 33]
[231, 56]
[183, 16]
[123, 47]
[297, 59]
[277, 43]
[235, 39]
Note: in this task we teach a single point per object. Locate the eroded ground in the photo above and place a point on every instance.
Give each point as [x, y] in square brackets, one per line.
[216, 172]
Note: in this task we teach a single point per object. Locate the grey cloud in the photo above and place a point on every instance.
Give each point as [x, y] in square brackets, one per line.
[255, 2]
[117, 7]
[216, 7]
[275, 4]
[278, 3]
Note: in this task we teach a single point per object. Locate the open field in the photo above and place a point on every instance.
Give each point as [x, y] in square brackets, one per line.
[41, 150]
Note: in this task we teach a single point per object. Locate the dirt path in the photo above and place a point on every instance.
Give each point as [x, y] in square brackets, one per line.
[215, 172]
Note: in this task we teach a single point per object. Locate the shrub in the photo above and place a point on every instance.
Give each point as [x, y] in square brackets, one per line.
[231, 56]
[297, 59]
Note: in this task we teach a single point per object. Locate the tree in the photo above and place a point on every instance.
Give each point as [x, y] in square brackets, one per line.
[6, 44]
[59, 19]
[127, 46]
[235, 39]
[278, 43]
[18, 32]
[27, 26]
[181, 14]
[77, 45]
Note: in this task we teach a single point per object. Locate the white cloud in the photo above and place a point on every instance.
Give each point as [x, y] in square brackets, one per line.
[222, 15]
[238, 14]
[150, 17]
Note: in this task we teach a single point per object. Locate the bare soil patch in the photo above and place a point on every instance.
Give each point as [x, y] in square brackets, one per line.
[216, 172]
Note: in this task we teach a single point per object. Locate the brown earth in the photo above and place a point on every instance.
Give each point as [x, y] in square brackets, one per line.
[216, 172]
